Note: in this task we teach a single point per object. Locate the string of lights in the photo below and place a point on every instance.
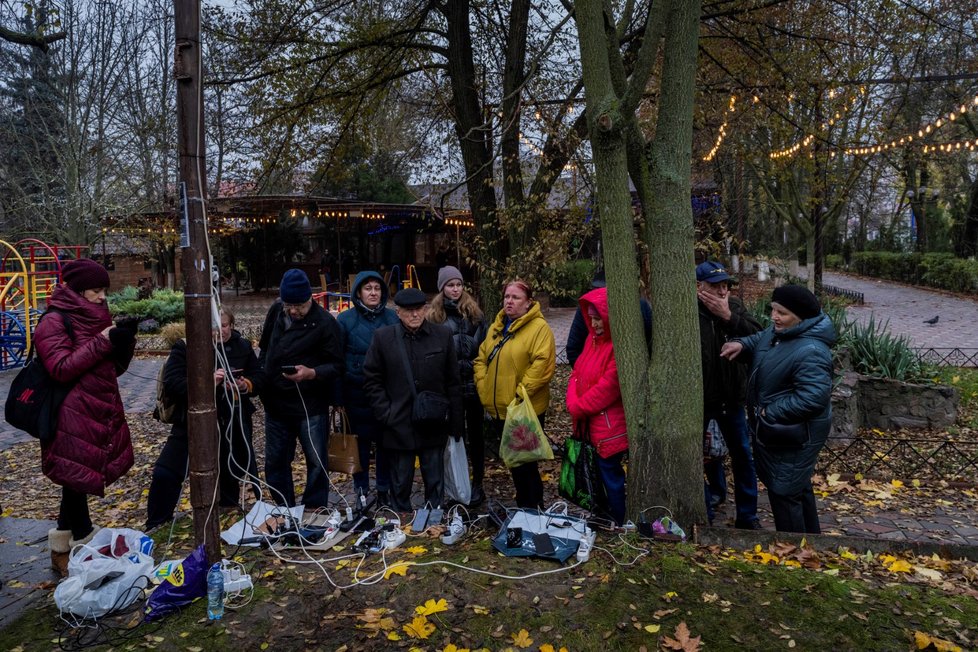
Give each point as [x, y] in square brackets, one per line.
[731, 108]
[825, 126]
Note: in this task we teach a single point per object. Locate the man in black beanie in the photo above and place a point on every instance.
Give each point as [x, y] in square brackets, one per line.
[302, 361]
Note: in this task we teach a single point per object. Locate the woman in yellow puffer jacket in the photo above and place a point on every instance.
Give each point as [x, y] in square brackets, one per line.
[518, 350]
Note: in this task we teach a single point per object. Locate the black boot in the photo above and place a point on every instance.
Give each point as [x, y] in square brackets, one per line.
[478, 496]
[383, 499]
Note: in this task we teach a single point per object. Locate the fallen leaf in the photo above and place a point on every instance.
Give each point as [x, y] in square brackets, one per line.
[652, 629]
[416, 550]
[432, 607]
[419, 628]
[682, 640]
[400, 568]
[521, 639]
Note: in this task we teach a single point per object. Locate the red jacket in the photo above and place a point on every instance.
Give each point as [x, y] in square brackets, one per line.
[92, 448]
[593, 393]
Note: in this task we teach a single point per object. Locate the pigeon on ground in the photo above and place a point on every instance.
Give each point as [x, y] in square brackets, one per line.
[933, 320]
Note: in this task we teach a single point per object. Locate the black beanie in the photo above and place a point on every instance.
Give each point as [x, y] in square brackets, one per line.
[798, 299]
[84, 274]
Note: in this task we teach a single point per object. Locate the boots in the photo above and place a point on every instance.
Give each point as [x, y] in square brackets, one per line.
[59, 541]
[83, 541]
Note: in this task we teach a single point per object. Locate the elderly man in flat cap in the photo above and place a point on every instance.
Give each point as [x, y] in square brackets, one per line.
[411, 378]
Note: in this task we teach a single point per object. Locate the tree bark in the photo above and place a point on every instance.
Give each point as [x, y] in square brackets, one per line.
[671, 460]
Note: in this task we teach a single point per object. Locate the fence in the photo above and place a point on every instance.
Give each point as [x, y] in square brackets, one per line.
[851, 295]
[901, 457]
[949, 357]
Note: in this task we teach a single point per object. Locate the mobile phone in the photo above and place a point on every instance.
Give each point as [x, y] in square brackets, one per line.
[288, 369]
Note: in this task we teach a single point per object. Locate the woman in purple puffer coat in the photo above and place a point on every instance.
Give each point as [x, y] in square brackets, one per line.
[92, 448]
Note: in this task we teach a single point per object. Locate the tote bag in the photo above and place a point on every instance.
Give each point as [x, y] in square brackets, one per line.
[580, 481]
[343, 453]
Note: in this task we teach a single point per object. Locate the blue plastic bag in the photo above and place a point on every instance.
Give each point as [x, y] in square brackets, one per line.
[185, 583]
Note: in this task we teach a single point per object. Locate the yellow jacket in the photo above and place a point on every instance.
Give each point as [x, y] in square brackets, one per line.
[526, 355]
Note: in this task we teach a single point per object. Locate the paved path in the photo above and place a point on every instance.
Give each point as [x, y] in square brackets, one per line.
[906, 307]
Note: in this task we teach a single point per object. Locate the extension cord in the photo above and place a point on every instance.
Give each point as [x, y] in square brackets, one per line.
[393, 538]
[456, 530]
[587, 543]
[234, 579]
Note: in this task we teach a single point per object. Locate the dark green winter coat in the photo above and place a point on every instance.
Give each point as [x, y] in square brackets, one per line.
[791, 380]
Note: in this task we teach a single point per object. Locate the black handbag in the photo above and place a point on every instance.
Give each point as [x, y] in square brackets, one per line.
[580, 481]
[35, 398]
[430, 409]
[793, 436]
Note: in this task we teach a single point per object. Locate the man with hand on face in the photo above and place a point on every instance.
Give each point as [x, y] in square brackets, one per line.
[722, 318]
[302, 361]
[419, 352]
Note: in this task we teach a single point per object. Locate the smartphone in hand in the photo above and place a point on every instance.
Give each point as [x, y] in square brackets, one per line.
[288, 369]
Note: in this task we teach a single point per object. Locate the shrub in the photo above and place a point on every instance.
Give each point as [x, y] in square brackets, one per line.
[834, 261]
[939, 270]
[163, 306]
[877, 352]
[570, 281]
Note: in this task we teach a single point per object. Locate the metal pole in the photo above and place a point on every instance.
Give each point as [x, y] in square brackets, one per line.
[195, 263]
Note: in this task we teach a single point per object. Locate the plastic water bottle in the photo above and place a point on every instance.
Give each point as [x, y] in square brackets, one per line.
[215, 592]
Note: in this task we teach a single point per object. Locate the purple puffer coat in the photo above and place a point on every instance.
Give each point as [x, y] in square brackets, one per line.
[92, 448]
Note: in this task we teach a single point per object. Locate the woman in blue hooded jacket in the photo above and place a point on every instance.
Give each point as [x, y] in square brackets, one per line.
[369, 312]
[789, 406]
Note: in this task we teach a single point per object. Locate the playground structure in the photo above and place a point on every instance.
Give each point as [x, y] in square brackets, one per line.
[29, 271]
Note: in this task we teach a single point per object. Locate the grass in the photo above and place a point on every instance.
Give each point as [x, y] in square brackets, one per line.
[732, 603]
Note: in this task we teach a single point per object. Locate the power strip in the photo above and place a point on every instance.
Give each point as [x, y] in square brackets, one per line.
[234, 580]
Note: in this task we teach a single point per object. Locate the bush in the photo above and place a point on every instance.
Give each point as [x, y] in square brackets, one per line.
[570, 281]
[163, 306]
[834, 261]
[938, 270]
[877, 352]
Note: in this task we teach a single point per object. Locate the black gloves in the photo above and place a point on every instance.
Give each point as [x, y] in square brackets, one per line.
[128, 323]
[122, 337]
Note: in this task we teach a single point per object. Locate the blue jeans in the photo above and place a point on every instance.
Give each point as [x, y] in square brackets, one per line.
[613, 478]
[280, 437]
[732, 422]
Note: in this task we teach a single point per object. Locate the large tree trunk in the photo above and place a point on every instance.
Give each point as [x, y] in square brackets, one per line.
[671, 460]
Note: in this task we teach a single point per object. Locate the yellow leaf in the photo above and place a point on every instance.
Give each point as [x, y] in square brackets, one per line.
[393, 636]
[846, 554]
[900, 566]
[669, 596]
[451, 647]
[479, 609]
[184, 634]
[896, 484]
[416, 550]
[522, 639]
[263, 646]
[341, 563]
[432, 607]
[792, 563]
[268, 573]
[859, 476]
[653, 629]
[400, 568]
[419, 628]
[916, 482]
[956, 379]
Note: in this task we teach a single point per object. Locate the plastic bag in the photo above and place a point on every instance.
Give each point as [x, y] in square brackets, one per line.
[106, 574]
[580, 480]
[185, 583]
[714, 446]
[523, 438]
[456, 485]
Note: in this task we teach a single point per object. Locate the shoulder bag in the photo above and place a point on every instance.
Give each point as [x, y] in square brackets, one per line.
[430, 409]
[35, 397]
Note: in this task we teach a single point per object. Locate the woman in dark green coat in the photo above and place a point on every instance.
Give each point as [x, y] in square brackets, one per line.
[789, 402]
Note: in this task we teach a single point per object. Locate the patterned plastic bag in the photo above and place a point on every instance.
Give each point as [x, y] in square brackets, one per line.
[523, 437]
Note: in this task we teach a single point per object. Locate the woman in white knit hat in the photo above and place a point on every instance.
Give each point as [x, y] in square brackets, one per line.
[458, 310]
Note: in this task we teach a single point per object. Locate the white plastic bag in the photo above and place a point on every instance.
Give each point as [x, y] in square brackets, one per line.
[108, 573]
[456, 482]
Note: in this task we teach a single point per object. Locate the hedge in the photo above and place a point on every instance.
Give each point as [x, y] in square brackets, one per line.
[937, 270]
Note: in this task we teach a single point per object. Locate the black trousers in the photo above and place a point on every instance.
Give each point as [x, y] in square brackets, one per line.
[795, 512]
[526, 477]
[402, 475]
[73, 514]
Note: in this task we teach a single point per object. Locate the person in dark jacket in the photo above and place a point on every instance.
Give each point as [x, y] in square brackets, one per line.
[302, 362]
[457, 309]
[431, 355]
[232, 395]
[790, 385]
[578, 332]
[92, 447]
[723, 317]
[370, 312]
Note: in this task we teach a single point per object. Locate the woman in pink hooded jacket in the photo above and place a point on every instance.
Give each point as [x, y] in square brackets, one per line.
[594, 400]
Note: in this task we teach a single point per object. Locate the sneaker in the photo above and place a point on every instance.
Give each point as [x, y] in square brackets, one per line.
[752, 524]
